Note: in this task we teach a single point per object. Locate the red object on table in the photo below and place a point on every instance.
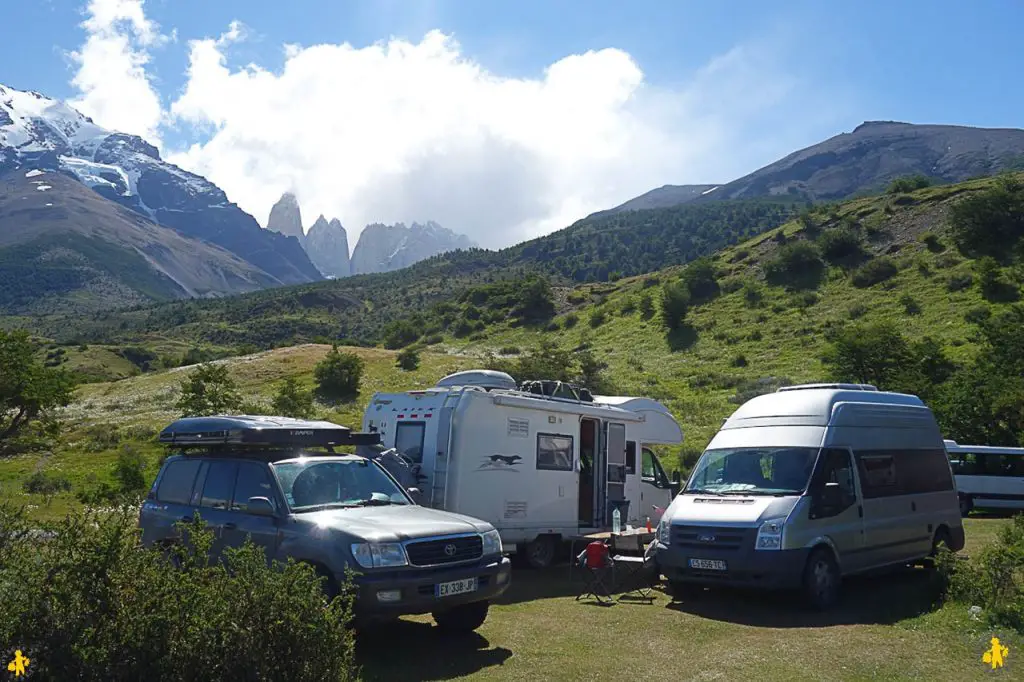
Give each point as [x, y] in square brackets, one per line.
[597, 555]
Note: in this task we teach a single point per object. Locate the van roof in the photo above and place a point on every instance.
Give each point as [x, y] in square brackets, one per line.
[810, 405]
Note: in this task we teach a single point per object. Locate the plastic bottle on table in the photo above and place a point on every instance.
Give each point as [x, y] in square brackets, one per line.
[616, 521]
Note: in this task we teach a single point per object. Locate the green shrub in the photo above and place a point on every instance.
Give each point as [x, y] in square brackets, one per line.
[675, 303]
[909, 183]
[990, 223]
[874, 271]
[400, 333]
[408, 360]
[701, 280]
[291, 400]
[130, 470]
[932, 242]
[993, 580]
[739, 361]
[46, 483]
[207, 390]
[959, 282]
[753, 294]
[992, 282]
[597, 317]
[338, 375]
[646, 305]
[570, 320]
[978, 314]
[797, 265]
[910, 305]
[857, 311]
[91, 603]
[840, 245]
[433, 339]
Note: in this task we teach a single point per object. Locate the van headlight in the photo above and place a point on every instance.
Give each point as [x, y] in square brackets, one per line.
[492, 542]
[379, 554]
[664, 532]
[769, 535]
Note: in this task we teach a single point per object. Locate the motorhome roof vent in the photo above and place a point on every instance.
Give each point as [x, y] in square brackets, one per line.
[844, 387]
[483, 378]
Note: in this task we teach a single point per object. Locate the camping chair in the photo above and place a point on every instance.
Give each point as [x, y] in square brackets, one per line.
[638, 575]
[596, 559]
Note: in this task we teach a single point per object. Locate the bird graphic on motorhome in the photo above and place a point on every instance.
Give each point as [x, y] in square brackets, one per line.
[500, 462]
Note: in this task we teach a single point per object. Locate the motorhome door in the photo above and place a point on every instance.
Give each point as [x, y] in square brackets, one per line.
[615, 478]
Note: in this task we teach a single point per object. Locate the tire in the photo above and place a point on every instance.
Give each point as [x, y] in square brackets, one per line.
[681, 590]
[540, 552]
[966, 505]
[463, 618]
[328, 583]
[821, 580]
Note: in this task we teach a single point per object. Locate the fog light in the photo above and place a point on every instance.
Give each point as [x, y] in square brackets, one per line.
[502, 578]
[389, 595]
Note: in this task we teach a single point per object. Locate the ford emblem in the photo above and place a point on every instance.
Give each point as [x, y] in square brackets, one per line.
[450, 549]
[706, 538]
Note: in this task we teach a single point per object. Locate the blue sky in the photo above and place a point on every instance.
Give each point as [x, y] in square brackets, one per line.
[813, 69]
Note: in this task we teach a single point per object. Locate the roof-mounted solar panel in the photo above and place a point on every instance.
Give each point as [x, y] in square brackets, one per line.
[258, 431]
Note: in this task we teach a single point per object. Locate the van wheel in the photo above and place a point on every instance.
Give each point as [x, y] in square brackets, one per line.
[966, 505]
[328, 583]
[942, 539]
[540, 552]
[821, 580]
[464, 618]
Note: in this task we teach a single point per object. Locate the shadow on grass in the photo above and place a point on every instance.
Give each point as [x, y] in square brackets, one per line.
[881, 599]
[407, 650]
[682, 337]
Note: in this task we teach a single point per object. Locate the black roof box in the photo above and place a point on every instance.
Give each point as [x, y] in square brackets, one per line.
[261, 431]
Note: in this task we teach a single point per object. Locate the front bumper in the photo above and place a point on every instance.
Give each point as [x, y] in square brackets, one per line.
[746, 567]
[417, 588]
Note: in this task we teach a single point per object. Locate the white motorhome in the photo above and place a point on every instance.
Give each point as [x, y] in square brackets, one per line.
[540, 468]
[987, 477]
[808, 484]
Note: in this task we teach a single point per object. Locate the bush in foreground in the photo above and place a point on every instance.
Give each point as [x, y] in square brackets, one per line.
[91, 604]
[994, 580]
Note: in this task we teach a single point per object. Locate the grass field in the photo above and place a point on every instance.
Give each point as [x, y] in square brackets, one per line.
[885, 628]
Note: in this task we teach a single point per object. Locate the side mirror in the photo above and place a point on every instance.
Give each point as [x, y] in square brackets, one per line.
[261, 506]
[675, 476]
[415, 492]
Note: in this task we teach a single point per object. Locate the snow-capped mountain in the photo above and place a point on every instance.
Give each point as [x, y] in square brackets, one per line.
[382, 248]
[40, 133]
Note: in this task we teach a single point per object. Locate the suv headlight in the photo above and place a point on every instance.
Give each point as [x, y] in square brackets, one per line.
[664, 532]
[769, 535]
[492, 542]
[379, 555]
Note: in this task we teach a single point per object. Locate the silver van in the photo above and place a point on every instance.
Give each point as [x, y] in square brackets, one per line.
[808, 484]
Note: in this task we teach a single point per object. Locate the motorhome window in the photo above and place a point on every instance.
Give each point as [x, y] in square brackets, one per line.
[647, 472]
[409, 440]
[631, 458]
[253, 481]
[764, 471]
[878, 475]
[554, 452]
[310, 485]
[835, 467]
[176, 484]
[220, 483]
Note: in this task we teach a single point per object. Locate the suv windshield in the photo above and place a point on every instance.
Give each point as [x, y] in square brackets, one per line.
[753, 471]
[312, 484]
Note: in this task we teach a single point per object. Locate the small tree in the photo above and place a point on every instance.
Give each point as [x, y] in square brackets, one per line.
[208, 389]
[292, 401]
[28, 389]
[408, 359]
[130, 470]
[675, 303]
[338, 375]
[646, 305]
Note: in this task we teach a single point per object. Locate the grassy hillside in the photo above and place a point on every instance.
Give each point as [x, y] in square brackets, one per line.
[355, 309]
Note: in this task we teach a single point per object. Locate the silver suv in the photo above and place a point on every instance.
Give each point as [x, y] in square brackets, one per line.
[279, 482]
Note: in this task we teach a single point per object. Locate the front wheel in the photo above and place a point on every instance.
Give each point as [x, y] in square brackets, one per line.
[821, 580]
[463, 618]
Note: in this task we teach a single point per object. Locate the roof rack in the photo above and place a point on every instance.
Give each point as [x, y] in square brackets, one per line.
[260, 431]
[844, 387]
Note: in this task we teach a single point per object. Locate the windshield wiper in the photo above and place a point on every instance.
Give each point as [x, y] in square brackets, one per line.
[374, 503]
[325, 505]
[702, 491]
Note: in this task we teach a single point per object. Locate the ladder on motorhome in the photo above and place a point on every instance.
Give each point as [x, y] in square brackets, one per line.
[439, 482]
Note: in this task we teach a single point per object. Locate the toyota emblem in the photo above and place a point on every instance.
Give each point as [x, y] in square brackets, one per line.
[707, 538]
[450, 549]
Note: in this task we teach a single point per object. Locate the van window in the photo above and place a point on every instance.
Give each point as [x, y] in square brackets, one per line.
[176, 483]
[554, 452]
[878, 474]
[253, 481]
[220, 483]
[409, 440]
[834, 466]
[924, 471]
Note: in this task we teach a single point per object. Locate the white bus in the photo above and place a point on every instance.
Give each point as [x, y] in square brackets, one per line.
[987, 477]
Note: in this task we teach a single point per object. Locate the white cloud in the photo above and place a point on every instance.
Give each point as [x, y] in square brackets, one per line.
[414, 131]
[114, 87]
